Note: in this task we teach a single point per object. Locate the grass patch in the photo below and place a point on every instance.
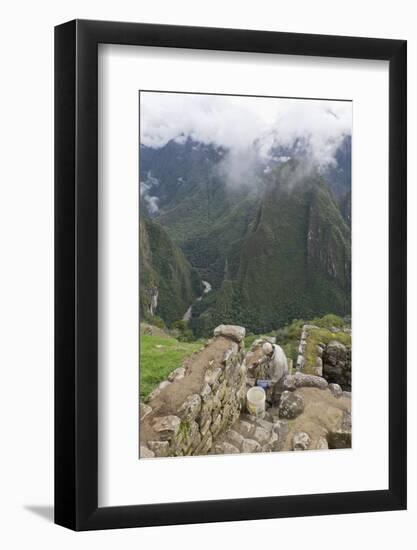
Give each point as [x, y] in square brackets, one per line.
[158, 357]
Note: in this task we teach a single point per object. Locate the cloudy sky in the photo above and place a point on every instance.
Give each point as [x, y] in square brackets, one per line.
[237, 122]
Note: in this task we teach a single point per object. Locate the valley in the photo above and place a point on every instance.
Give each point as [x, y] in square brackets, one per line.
[273, 248]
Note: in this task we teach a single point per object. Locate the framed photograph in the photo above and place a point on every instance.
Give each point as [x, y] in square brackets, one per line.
[230, 252]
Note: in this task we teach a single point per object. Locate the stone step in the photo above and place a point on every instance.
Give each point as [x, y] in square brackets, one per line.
[250, 435]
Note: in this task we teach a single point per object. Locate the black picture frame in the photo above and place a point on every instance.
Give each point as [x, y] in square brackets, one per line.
[76, 272]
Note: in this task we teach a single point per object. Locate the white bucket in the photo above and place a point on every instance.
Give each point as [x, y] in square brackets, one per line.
[255, 401]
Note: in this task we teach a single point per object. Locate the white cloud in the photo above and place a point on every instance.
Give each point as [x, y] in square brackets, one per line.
[238, 123]
[146, 186]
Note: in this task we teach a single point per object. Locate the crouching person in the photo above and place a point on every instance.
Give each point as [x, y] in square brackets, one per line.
[271, 368]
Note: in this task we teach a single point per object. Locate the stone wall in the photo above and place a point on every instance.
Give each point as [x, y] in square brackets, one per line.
[337, 364]
[333, 361]
[199, 401]
[300, 365]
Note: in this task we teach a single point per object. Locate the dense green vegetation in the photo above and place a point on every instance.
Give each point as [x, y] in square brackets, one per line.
[273, 250]
[164, 268]
[160, 355]
[292, 262]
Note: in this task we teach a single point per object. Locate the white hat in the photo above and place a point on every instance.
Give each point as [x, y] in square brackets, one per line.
[267, 348]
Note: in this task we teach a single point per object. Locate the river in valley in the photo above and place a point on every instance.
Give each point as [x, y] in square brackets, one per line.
[207, 288]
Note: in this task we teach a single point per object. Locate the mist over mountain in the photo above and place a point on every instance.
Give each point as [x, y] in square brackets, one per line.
[265, 220]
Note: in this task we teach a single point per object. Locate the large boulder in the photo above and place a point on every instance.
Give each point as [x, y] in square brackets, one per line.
[291, 405]
[234, 332]
[309, 381]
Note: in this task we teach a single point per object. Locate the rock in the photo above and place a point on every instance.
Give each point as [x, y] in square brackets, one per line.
[272, 445]
[302, 347]
[234, 438]
[336, 390]
[190, 408]
[160, 448]
[322, 443]
[144, 452]
[301, 441]
[337, 364]
[144, 411]
[189, 435]
[205, 392]
[167, 426]
[246, 428]
[287, 383]
[291, 405]
[225, 449]
[347, 394]
[163, 385]
[318, 371]
[230, 353]
[300, 362]
[177, 374]
[265, 424]
[262, 436]
[212, 376]
[281, 428]
[215, 427]
[250, 446]
[309, 381]
[205, 445]
[269, 417]
[334, 352]
[204, 428]
[341, 438]
[233, 332]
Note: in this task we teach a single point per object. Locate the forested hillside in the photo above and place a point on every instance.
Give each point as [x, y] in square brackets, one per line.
[274, 247]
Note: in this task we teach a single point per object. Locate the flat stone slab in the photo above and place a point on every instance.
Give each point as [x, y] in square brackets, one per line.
[234, 332]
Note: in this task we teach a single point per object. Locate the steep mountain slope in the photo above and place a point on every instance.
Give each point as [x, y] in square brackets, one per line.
[168, 284]
[274, 248]
[295, 263]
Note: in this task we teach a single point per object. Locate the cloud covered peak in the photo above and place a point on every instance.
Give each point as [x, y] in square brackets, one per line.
[246, 126]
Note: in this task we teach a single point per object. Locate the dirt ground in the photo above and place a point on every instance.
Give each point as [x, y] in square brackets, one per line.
[322, 413]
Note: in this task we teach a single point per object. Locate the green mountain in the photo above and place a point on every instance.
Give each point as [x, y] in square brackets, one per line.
[293, 263]
[274, 248]
[168, 283]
